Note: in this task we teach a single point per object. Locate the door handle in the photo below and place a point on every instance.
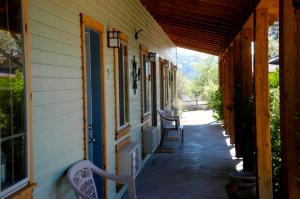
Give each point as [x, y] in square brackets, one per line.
[92, 140]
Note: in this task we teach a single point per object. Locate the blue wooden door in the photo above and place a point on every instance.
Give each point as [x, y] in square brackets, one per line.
[154, 95]
[94, 103]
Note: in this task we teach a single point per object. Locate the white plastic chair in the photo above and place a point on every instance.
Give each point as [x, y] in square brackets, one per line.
[80, 176]
[170, 123]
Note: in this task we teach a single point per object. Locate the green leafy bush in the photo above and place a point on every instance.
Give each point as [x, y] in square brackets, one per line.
[275, 129]
[215, 102]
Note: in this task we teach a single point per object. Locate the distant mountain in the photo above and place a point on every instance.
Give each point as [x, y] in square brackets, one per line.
[186, 63]
[186, 59]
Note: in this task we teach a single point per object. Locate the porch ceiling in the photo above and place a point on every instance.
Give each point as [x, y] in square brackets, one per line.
[203, 25]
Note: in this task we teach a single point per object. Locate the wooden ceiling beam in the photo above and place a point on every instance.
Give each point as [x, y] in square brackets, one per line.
[200, 12]
[198, 37]
[179, 39]
[177, 26]
[199, 49]
[213, 24]
[195, 25]
[189, 16]
[191, 33]
[199, 6]
[239, 24]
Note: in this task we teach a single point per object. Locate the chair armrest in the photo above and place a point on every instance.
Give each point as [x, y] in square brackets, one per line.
[124, 179]
[118, 178]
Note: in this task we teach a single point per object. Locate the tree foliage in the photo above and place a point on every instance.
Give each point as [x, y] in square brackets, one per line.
[274, 40]
[206, 78]
[204, 81]
[275, 129]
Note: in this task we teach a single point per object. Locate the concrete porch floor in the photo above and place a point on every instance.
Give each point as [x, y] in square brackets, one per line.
[197, 170]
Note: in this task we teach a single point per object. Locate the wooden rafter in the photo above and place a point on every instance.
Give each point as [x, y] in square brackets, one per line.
[203, 25]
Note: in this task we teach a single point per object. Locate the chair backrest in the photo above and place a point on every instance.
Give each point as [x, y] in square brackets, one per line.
[80, 176]
[164, 118]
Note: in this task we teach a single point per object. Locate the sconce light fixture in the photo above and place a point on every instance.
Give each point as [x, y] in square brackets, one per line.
[152, 56]
[166, 63]
[296, 4]
[113, 39]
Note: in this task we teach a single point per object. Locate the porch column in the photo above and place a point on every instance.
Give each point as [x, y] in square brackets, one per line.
[225, 92]
[230, 82]
[247, 38]
[220, 73]
[290, 98]
[264, 160]
[237, 94]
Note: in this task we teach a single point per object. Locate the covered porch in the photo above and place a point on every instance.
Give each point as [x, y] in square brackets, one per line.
[84, 80]
[237, 32]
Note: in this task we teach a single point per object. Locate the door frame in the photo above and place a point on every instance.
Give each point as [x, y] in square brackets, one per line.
[88, 22]
[162, 83]
[154, 104]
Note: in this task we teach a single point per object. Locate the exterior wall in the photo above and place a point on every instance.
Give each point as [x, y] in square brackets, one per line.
[57, 82]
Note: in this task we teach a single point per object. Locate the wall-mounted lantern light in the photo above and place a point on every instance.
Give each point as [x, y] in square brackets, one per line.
[296, 4]
[113, 39]
[166, 63]
[152, 56]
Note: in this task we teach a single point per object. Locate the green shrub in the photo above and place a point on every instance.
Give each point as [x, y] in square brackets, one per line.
[215, 102]
[275, 129]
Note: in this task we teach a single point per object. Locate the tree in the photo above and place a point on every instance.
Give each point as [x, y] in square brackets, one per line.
[205, 80]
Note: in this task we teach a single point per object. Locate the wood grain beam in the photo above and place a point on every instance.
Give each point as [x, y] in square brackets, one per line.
[194, 24]
[263, 138]
[190, 13]
[191, 16]
[290, 98]
[199, 6]
[199, 49]
[172, 27]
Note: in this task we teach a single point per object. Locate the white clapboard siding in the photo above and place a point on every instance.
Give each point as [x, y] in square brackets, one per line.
[57, 82]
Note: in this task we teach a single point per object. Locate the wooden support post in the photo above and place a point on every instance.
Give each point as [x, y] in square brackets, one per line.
[290, 98]
[247, 38]
[247, 91]
[264, 159]
[220, 74]
[230, 91]
[225, 93]
[237, 94]
[221, 81]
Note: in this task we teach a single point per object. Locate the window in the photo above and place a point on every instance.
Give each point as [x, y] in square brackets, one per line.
[122, 87]
[146, 83]
[13, 133]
